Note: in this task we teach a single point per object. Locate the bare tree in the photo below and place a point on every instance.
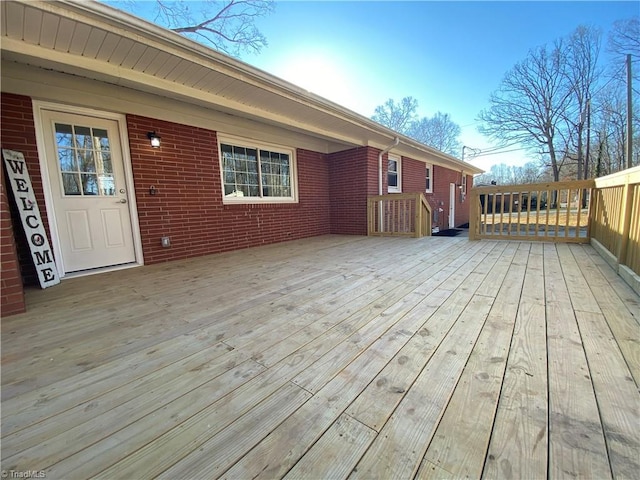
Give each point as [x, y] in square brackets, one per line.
[438, 131]
[581, 74]
[530, 172]
[624, 39]
[502, 174]
[530, 106]
[397, 116]
[609, 130]
[227, 25]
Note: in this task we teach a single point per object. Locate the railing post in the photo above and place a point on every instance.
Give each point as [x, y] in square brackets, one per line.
[417, 221]
[593, 206]
[625, 219]
[427, 214]
[473, 214]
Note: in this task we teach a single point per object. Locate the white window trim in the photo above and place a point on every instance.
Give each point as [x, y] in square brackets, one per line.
[429, 167]
[260, 145]
[398, 161]
[464, 184]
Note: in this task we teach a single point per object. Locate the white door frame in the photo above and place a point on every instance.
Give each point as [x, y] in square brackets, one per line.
[38, 107]
[452, 205]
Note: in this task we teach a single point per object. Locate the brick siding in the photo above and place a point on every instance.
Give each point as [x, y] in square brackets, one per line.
[188, 204]
[353, 177]
[12, 300]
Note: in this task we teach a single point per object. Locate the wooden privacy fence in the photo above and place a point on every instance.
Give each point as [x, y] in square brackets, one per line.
[615, 219]
[557, 211]
[399, 214]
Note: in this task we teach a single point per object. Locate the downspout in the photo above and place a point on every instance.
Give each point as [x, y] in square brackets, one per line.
[395, 143]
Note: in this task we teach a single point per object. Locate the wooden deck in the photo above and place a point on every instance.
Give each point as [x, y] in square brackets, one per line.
[332, 357]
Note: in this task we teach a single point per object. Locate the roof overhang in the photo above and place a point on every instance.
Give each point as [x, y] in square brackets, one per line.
[95, 41]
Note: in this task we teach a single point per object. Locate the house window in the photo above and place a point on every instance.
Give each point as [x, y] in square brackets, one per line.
[394, 175]
[254, 173]
[464, 184]
[429, 179]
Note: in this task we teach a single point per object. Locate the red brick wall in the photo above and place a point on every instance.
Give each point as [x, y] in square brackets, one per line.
[12, 296]
[188, 205]
[353, 177]
[413, 175]
[349, 193]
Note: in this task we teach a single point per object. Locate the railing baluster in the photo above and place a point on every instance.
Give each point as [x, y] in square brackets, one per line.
[519, 210]
[579, 208]
[566, 223]
[407, 214]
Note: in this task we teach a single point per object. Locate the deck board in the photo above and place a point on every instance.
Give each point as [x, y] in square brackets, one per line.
[331, 357]
[576, 443]
[518, 443]
[461, 440]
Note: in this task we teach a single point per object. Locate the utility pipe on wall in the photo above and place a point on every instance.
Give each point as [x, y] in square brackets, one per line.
[395, 143]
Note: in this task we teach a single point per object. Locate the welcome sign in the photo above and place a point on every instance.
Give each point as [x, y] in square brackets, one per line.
[31, 219]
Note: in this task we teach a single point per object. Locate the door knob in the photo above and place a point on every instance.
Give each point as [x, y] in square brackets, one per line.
[123, 200]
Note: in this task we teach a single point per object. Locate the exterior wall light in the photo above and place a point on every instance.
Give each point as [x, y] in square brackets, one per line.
[154, 138]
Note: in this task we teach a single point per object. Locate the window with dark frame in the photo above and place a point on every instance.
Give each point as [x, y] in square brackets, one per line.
[256, 173]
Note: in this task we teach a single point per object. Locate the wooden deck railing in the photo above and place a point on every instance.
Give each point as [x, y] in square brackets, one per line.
[399, 214]
[615, 219]
[604, 212]
[557, 212]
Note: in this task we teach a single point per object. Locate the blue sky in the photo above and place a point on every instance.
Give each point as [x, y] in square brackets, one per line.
[450, 56]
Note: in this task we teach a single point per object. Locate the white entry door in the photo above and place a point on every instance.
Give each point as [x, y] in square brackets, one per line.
[88, 190]
[452, 205]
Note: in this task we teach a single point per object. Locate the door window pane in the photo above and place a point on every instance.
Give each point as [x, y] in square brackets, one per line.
[84, 160]
[67, 160]
[70, 184]
[105, 166]
[101, 139]
[64, 135]
[107, 185]
[83, 137]
[89, 184]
